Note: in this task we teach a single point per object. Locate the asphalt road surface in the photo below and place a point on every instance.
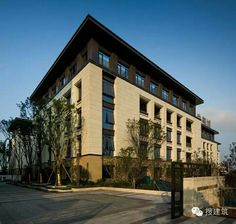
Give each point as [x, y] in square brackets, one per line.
[22, 206]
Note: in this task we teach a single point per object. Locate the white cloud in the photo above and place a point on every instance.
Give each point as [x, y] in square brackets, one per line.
[224, 121]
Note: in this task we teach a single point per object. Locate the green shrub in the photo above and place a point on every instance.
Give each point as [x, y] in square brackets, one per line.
[113, 183]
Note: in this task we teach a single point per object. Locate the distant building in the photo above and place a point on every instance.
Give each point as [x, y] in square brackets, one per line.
[109, 81]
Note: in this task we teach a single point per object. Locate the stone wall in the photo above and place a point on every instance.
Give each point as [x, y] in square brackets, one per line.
[201, 192]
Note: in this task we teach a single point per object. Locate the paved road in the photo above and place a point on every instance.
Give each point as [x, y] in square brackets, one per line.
[22, 206]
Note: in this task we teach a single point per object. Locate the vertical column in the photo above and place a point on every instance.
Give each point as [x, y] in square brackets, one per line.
[147, 82]
[132, 71]
[113, 62]
[92, 47]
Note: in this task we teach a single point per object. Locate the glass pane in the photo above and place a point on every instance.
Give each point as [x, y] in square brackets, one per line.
[153, 88]
[107, 99]
[107, 145]
[107, 88]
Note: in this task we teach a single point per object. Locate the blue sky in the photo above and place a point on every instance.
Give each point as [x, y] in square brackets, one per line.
[193, 40]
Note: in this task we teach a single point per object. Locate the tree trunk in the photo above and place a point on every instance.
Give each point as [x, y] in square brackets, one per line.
[133, 183]
[58, 175]
[40, 178]
[29, 177]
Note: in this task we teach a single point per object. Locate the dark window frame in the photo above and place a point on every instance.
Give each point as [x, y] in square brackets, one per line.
[179, 137]
[169, 117]
[169, 135]
[108, 119]
[107, 148]
[141, 106]
[123, 73]
[165, 94]
[103, 59]
[139, 80]
[153, 88]
[168, 152]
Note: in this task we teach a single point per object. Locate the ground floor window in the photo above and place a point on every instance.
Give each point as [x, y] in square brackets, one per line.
[107, 171]
[107, 145]
[168, 153]
[178, 154]
[188, 157]
[157, 152]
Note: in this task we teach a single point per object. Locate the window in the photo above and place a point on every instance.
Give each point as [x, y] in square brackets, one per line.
[157, 112]
[139, 80]
[143, 150]
[104, 59]
[73, 69]
[107, 118]
[79, 145]
[204, 155]
[107, 171]
[107, 88]
[168, 153]
[168, 134]
[165, 94]
[188, 141]
[153, 88]
[68, 97]
[184, 105]
[108, 91]
[191, 109]
[79, 92]
[179, 137]
[178, 121]
[53, 91]
[122, 70]
[157, 153]
[79, 118]
[107, 145]
[143, 106]
[178, 154]
[175, 100]
[157, 131]
[143, 127]
[63, 80]
[188, 157]
[168, 117]
[188, 125]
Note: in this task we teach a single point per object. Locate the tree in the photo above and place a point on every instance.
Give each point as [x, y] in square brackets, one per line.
[5, 146]
[58, 126]
[30, 110]
[21, 131]
[230, 160]
[3, 160]
[143, 136]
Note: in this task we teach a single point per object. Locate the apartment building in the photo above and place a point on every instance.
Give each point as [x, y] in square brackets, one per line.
[110, 82]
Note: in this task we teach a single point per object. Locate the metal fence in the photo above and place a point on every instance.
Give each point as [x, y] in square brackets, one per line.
[196, 170]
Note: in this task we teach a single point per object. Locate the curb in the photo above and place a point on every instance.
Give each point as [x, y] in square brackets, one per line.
[125, 190]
